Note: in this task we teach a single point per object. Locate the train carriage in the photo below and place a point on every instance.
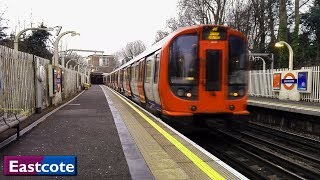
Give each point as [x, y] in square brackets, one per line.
[195, 70]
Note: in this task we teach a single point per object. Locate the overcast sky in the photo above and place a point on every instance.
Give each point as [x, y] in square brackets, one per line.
[103, 24]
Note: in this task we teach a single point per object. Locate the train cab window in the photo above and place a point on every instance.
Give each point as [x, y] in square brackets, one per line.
[156, 68]
[183, 60]
[237, 67]
[238, 55]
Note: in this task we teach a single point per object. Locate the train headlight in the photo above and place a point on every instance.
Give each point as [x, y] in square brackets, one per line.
[236, 92]
[188, 95]
[180, 92]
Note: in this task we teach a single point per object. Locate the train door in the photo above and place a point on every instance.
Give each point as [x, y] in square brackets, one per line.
[121, 80]
[128, 72]
[118, 80]
[155, 84]
[134, 80]
[112, 80]
[213, 57]
[148, 82]
[141, 66]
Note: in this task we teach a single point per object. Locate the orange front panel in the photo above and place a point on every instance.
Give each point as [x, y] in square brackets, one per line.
[212, 101]
[208, 101]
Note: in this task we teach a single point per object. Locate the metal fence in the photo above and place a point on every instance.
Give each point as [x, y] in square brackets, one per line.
[260, 84]
[315, 95]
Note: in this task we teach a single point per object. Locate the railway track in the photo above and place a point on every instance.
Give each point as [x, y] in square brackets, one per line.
[263, 153]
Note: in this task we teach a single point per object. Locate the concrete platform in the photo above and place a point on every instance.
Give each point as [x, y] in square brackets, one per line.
[115, 139]
[308, 108]
[168, 154]
[84, 128]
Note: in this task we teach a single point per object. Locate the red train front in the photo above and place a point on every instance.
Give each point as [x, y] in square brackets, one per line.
[195, 70]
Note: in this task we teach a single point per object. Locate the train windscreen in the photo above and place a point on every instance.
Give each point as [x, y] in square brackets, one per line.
[237, 66]
[182, 63]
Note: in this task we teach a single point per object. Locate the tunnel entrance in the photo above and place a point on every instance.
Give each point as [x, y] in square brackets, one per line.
[96, 78]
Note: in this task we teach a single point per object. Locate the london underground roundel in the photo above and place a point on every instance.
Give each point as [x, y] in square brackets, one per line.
[288, 81]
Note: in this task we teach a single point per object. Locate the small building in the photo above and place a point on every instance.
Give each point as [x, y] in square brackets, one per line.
[101, 63]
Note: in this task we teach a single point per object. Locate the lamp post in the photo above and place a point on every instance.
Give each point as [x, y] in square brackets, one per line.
[281, 44]
[70, 61]
[16, 38]
[263, 73]
[263, 63]
[56, 43]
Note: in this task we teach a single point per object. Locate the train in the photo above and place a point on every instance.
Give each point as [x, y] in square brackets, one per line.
[195, 70]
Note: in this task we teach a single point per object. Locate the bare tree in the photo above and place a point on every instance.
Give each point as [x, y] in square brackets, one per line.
[2, 26]
[160, 35]
[131, 50]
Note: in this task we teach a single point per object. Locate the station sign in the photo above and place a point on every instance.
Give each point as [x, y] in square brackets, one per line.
[296, 80]
[289, 80]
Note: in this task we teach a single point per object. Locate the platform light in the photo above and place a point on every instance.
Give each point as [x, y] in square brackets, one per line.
[283, 43]
[279, 44]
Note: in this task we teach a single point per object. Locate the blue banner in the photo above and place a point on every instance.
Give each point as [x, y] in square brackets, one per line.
[302, 81]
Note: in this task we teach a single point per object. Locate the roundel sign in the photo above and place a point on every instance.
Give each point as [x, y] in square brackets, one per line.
[288, 81]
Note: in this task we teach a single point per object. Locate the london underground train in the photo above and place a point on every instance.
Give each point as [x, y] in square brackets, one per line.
[193, 71]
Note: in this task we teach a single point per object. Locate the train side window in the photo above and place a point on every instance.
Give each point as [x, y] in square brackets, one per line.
[132, 72]
[125, 77]
[141, 71]
[148, 75]
[137, 72]
[128, 73]
[156, 68]
[121, 75]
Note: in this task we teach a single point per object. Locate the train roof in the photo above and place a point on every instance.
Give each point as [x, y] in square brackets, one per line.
[161, 43]
[150, 50]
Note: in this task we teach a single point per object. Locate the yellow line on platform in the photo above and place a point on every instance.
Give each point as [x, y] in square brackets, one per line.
[193, 157]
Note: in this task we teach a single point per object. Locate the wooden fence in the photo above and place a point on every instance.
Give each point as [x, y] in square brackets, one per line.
[17, 81]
